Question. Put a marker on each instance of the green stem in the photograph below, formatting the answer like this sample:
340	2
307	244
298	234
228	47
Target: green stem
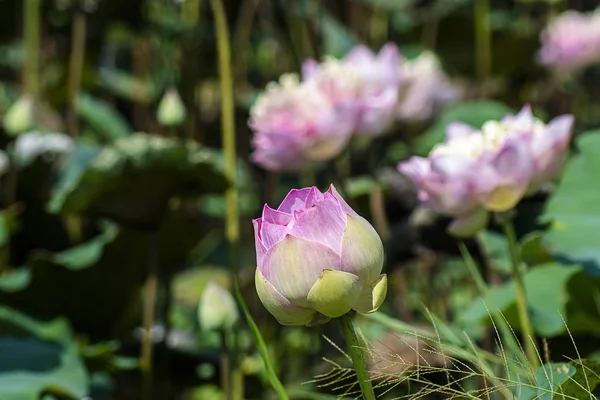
232	226
227	119
225	363
190	12
524	319
483	40
150	293
358	357
262	347
76	69
31	38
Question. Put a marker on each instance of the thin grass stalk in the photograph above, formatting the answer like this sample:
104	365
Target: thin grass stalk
378	27
76	61
190	11
495	315
76	69
524	318
483	41
262	347
190	16
31	39
150	294
241	39
377	207
358	358
298	31
232	227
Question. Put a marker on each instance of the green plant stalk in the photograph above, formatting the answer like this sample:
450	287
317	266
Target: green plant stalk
150	294
75	69
31	39
378	27
74	222
232	224
262	347
483	40
524	319
190	12
482	287
227	120
358	357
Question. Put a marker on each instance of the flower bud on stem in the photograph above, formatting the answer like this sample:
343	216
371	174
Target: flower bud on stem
357	356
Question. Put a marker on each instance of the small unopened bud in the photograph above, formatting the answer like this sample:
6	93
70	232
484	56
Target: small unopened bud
20	116
217	308
171	110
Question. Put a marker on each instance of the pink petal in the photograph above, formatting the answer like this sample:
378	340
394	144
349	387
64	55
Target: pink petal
360	54
389	54
275	217
555	137
414	168
261	250
323	223
314	196
342	203
515	161
458	129
549	148
309	68
271	234
295	200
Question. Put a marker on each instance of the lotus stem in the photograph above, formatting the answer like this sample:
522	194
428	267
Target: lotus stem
262	346
31	39
232	227
76	68
524	319
483	40
150	293
358	358
227	120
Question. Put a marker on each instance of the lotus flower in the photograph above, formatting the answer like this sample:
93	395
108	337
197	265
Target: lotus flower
363	85
317	259
489	170
571	41
427	89
296	125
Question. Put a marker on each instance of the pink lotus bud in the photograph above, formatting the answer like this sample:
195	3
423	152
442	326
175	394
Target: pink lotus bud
490	169
571	41
426	90
362	85
296	125
317	259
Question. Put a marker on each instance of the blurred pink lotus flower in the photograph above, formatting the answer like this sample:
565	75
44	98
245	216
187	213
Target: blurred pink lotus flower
474	172
296	125
427	89
364	85
571	41
317	259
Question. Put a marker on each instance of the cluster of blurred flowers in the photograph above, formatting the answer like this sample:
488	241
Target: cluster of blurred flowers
571	41
477	171
300	121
